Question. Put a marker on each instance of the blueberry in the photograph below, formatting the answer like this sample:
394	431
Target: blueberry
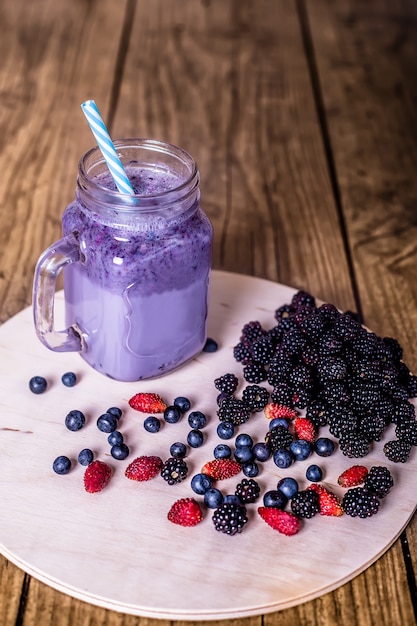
301	449
107	423
85	457
200	483
115	438
69	379
232	499
243	440
61	465
197	419
119	451
210	345
222	451
261	451
225	430
275	498
38	384
172	414
314	473
243	454
114	410
213	498
324	446
182	403
178	450
74	420
152	424
288	486
283	458
195	438
250	469
279	421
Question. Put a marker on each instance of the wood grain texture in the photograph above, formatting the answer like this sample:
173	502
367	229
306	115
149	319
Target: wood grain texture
51	55
366	61
229	82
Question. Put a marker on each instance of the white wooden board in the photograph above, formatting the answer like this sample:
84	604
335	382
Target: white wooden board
117	549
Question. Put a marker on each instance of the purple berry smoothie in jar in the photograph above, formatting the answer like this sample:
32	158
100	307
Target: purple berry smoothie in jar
138	293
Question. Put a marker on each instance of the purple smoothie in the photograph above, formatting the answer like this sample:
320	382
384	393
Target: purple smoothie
139	292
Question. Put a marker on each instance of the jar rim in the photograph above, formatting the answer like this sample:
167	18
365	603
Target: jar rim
93	158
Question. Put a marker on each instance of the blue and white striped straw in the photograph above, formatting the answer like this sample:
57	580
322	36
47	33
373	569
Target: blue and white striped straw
100	132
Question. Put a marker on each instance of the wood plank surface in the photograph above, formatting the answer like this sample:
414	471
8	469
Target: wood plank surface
302	118
366	61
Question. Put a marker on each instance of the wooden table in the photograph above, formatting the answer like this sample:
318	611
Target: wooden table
303	119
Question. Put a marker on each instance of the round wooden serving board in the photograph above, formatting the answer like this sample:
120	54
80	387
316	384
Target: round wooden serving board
116	548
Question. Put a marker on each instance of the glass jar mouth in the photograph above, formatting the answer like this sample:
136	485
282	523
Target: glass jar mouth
137	152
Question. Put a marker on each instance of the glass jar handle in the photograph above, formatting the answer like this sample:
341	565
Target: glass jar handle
48	267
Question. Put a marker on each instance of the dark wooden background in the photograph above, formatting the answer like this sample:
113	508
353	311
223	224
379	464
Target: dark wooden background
302	115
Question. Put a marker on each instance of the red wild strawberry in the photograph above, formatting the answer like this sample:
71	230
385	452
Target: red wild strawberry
96	476
353	476
148	403
219	469
185	512
144	468
329	503
273	410
304	429
282	521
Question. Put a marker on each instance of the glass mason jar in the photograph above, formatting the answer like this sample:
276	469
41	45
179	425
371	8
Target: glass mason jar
136	267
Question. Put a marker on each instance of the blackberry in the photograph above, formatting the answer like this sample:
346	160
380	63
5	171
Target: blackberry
313	326
255	397
293	342
379	481
301	378
229	518
407	431
393	349
365	396
309	354
301	313
335	392
233	410
254	373
283	311
278	438
403	411
227	383
247	490
342	422
346	327
411	386
251	332
329	312
334	368
242	352
317	413
353	446
359	502
330	344
279	369
372	426
305	503
174	470
303	298
263	350
397	451
365	343
282	394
